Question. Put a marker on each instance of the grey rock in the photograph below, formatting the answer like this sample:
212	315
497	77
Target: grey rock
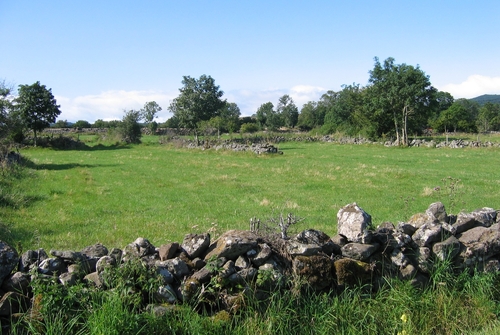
263	254
168	251
68	279
406	228
483	217
52	266
117	254
202	276
295	248
196	244
69	255
243	277
427	234
166	294
227	269
233	244
399	259
423	257
177	267
354	223
94	278
408	272
17	282
448	249
105	262
167	277
478	245
242	262
312	236
359	251
8	260
437	211
95	251
198	263
338	241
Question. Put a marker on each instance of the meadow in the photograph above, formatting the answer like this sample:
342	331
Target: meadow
68	199
109	193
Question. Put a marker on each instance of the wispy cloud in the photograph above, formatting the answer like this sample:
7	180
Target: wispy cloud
474	86
110	105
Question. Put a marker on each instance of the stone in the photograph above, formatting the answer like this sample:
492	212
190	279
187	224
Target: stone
117	254
478	245
17	282
483	217
196	244
69	256
141	247
242	262
351	272
8	260
448	249
168	251
312	236
296	248
198	263
233	244
359	251
105	262
427	234
166	294
263	254
437	211
95	251
202	276
354	224
227	269
177	267
406	228
317	270
13	302
52	266
338	241
167	277
408	272
399	259
243	277
423	259
68	279
94	278
419	219
31	258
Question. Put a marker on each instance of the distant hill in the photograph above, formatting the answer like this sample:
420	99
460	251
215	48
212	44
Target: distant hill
482	99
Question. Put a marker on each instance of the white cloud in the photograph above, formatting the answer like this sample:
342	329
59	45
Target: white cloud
474	86
110	105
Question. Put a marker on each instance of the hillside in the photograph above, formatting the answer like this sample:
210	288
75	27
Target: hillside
482	99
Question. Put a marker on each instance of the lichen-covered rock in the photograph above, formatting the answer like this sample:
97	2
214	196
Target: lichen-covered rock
312	236
427	234
478	245
105	262
68	279
141	247
8	260
437	211
168	251
233	244
196	244
422	256
296	248
95	251
483	217
448	249
351	272
177	267
354	224
264	251
359	251
420	219
316	270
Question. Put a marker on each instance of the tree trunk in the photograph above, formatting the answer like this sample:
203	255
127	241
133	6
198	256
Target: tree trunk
396	126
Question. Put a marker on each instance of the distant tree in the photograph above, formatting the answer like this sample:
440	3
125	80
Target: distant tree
36	107
230	117
263	112
5	108
61	124
288	111
489	117
345	110
199	100
149	113
130	129
308	117
461	116
82	124
249	128
172	122
404	92
99	123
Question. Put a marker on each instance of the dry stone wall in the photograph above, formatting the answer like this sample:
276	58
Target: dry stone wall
238	260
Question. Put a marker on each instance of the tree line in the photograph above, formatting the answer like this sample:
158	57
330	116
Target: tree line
399	101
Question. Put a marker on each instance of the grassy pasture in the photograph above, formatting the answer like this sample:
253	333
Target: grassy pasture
114	194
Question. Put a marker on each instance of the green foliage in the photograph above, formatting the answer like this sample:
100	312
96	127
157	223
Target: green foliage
149	113
249	128
82	124
199	100
61	124
36	107
130	129
288	111
460	116
488	118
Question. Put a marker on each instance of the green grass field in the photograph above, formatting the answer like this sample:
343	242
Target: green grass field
114	194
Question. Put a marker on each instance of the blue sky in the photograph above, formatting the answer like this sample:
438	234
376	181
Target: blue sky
101	57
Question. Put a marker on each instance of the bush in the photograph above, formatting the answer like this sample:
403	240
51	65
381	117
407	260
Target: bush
249	128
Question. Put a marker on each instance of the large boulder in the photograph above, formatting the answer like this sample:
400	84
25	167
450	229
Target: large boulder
354	224
437	211
8	260
316	270
195	244
478	245
351	272
483	217
428	234
359	251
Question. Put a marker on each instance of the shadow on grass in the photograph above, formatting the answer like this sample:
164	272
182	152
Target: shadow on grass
13	236
59	167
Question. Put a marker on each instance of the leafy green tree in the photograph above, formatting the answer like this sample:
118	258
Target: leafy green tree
461	116
99	123
288	111
343	110
263	113
307	118
61	124
36	107
172	122
230	115
82	124
149	113
404	92
5	108
199	100
489	117
130	129
250	127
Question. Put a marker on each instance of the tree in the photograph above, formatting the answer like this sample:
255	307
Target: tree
36	107
199	100
61	124
288	111
461	116
148	113
5	108
308	116
344	109
263	113
82	124
230	115
489	117
404	92
130	129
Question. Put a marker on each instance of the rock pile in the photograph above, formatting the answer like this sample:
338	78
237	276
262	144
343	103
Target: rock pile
240	261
